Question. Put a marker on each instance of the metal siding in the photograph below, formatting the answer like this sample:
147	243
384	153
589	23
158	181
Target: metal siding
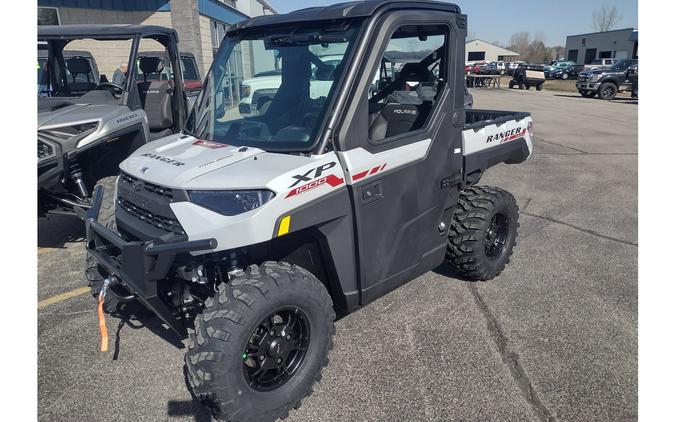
121	5
220	11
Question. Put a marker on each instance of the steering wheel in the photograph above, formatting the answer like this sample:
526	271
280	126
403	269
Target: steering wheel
115	90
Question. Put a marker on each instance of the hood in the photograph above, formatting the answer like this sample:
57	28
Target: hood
64	111
261	79
176	160
53	108
185	162
598	72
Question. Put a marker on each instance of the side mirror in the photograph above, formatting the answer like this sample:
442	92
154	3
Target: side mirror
103	79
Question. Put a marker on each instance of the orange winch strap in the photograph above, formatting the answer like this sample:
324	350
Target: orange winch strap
101	324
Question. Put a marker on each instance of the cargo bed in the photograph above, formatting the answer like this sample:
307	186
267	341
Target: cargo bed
491	137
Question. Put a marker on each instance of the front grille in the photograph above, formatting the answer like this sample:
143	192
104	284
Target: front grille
162	223
149	203
44	150
147	186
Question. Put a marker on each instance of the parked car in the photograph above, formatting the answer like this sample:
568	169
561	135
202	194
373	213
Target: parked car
605	83
513	66
549	69
476	68
567	72
602	64
495	68
485	69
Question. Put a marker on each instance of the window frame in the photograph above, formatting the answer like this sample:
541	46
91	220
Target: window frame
424	131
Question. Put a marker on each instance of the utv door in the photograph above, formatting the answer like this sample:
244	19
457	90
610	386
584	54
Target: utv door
401	147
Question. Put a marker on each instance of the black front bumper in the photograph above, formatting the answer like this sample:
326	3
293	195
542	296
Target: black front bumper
138	265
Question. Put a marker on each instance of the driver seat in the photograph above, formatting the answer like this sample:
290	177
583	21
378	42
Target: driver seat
79	66
156	98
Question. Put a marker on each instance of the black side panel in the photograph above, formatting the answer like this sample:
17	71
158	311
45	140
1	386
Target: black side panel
513	152
330	221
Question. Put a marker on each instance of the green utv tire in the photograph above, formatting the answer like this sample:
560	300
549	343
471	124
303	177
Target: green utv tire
482	233
261	343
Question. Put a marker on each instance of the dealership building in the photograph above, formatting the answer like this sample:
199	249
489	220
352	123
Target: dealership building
200	24
479	50
617	44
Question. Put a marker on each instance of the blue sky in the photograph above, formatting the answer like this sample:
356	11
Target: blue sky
496	20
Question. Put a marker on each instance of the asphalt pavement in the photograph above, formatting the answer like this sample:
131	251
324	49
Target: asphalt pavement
552	338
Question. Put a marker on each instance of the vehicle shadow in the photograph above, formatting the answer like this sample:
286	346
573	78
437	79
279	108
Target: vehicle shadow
136	316
192	407
57	230
615	100
178	408
445	270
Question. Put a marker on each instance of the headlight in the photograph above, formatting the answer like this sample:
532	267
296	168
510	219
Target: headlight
595	77
231	202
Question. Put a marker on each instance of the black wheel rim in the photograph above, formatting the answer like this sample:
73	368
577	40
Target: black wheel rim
276	349
608	91
496	235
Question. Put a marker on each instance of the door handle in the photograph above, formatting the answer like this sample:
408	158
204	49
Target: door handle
371	192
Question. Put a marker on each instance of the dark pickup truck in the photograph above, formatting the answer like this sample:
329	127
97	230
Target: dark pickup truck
605	83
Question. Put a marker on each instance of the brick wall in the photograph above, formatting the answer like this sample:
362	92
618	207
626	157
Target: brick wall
207	49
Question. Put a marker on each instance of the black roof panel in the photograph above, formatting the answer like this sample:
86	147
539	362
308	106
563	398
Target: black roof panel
122	31
348	10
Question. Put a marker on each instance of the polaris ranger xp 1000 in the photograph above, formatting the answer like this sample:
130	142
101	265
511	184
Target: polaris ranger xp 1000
245	234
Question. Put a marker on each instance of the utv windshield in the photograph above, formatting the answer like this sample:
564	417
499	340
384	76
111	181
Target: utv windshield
271	88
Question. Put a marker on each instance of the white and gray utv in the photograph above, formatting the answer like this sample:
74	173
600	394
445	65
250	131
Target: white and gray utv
89	122
247	234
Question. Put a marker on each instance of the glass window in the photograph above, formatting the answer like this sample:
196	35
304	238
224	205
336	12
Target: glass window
409	80
48	16
189	68
271	90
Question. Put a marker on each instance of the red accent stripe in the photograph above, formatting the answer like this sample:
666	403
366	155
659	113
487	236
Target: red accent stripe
360	175
375	170
382	167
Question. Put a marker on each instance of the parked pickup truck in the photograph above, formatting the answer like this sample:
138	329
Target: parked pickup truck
605	83
247	234
259	90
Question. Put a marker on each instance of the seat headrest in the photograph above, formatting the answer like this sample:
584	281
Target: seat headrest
78	65
415	72
150	64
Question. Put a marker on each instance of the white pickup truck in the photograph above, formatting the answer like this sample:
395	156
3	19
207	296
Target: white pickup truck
259	90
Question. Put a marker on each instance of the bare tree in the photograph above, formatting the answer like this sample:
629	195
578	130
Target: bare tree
520	42
471	36
537	53
606	18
